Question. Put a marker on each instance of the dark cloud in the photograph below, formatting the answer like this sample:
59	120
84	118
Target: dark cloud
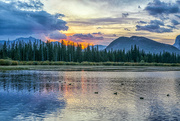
98	33
156	22
172	27
157	7
114	35
174	22
57	35
15	21
86	37
124	15
178	1
154	26
177	16
127	29
142	22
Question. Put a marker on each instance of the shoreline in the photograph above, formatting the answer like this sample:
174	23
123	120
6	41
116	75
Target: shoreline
90	68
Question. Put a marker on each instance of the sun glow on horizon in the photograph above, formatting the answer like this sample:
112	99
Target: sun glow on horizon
70	42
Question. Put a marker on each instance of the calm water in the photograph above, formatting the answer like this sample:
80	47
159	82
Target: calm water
70	96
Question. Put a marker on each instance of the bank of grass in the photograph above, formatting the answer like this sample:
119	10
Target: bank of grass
8	62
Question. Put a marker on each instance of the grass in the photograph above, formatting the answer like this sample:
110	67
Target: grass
7	64
91	68
95	63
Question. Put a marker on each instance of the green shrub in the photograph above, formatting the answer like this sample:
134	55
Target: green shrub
14	62
108	63
72	63
85	63
5	62
29	63
142	61
45	63
34	63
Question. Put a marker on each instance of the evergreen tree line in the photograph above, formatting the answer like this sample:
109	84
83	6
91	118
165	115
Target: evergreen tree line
74	53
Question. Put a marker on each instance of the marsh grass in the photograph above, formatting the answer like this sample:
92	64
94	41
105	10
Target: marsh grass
8	62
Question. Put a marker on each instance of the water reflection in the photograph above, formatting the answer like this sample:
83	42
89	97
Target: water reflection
66	96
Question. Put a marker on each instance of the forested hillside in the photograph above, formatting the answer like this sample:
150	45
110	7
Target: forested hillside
74	53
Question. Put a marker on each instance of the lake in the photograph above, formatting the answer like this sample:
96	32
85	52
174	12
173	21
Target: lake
89	96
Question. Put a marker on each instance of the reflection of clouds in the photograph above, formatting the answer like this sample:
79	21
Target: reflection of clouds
159	112
25	106
70	95
26	94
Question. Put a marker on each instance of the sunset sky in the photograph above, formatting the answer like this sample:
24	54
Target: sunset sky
90	21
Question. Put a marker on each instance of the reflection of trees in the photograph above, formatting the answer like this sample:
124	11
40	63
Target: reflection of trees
28	95
45	92
44	82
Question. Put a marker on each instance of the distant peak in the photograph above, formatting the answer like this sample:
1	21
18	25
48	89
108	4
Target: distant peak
178	37
23	38
136	37
31	37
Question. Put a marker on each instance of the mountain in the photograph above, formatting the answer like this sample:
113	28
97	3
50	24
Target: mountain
100	47
22	40
1	43
177	42
143	43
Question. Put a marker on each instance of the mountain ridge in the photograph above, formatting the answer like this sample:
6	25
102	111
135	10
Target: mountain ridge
148	45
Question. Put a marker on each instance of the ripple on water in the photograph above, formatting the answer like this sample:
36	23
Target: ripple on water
66	96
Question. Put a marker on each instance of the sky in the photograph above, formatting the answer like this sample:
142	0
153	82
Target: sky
90	21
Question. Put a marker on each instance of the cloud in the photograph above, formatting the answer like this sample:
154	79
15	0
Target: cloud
114	35
174	22
178	1
124	15
172	27
99	27
127	29
157	22
86	37
15	21
177	16
103	21
142	22
166	11
57	35
98	33
74	39
157	8
154	26
31	5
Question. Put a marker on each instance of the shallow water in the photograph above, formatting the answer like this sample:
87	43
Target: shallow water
72	96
